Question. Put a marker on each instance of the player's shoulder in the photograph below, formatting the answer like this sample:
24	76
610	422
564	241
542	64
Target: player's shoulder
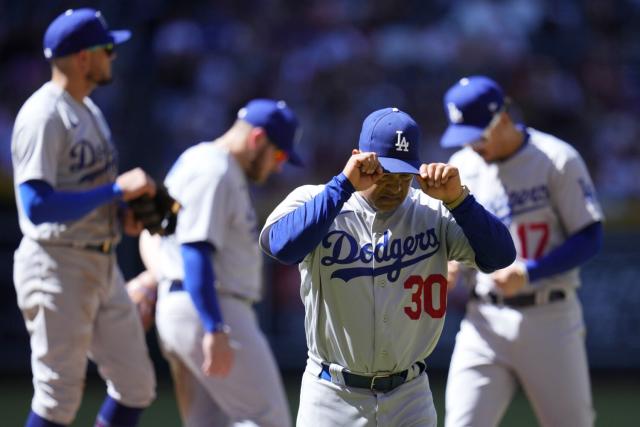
201	149
297	197
469	164
206	158
559	152
42	105
300	195
465	157
305	192
201	164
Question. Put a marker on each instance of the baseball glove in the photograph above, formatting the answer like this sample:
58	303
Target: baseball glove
158	214
143	291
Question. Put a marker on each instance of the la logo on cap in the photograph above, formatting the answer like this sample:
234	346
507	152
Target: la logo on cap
401	143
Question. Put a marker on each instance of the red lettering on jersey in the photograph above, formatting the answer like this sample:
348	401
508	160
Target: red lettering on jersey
422	296
526	232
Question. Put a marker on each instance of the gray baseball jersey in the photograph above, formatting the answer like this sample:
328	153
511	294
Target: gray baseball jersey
67	144
216	208
375	289
543	194
73	299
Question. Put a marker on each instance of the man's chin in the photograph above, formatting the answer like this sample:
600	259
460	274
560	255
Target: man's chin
104	82
387	204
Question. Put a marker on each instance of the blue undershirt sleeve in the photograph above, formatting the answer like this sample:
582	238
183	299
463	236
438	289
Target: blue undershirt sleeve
296	234
489	238
42	203
199	279
573	252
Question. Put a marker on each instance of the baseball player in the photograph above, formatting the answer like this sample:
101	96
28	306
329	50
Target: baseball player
67	280
372	253
210	274
523	323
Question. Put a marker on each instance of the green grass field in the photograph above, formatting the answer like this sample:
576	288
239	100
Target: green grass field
616	399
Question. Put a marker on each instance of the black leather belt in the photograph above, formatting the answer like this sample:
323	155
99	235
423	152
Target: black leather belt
105	247
382	383
520	301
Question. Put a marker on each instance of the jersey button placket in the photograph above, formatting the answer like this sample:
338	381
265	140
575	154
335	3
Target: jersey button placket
379	282
378	238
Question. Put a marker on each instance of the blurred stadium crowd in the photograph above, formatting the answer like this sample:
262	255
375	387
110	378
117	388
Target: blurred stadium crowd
572	68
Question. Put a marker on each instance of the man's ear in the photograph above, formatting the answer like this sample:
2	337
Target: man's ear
257	138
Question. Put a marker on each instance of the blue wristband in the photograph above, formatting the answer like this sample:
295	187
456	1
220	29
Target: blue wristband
117	191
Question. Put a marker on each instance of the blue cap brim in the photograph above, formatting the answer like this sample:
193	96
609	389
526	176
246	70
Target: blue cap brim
120	36
457	135
392	165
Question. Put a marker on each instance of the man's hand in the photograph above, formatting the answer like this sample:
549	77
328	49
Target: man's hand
135	183
218	354
511	279
440	181
363	169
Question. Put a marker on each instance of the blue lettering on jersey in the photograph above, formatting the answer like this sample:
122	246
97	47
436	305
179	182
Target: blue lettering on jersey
82	154
519	202
588	191
86	156
499	206
344	249
528	199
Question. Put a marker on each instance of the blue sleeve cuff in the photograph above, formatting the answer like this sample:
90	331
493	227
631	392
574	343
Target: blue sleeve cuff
117	191
344	184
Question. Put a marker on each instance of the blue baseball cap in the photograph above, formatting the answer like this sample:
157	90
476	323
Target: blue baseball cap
78	29
279	122
395	137
470	105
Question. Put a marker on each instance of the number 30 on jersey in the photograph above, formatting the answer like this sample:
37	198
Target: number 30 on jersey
429	296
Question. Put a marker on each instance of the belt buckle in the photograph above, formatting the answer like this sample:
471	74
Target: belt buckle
106	246
372	387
